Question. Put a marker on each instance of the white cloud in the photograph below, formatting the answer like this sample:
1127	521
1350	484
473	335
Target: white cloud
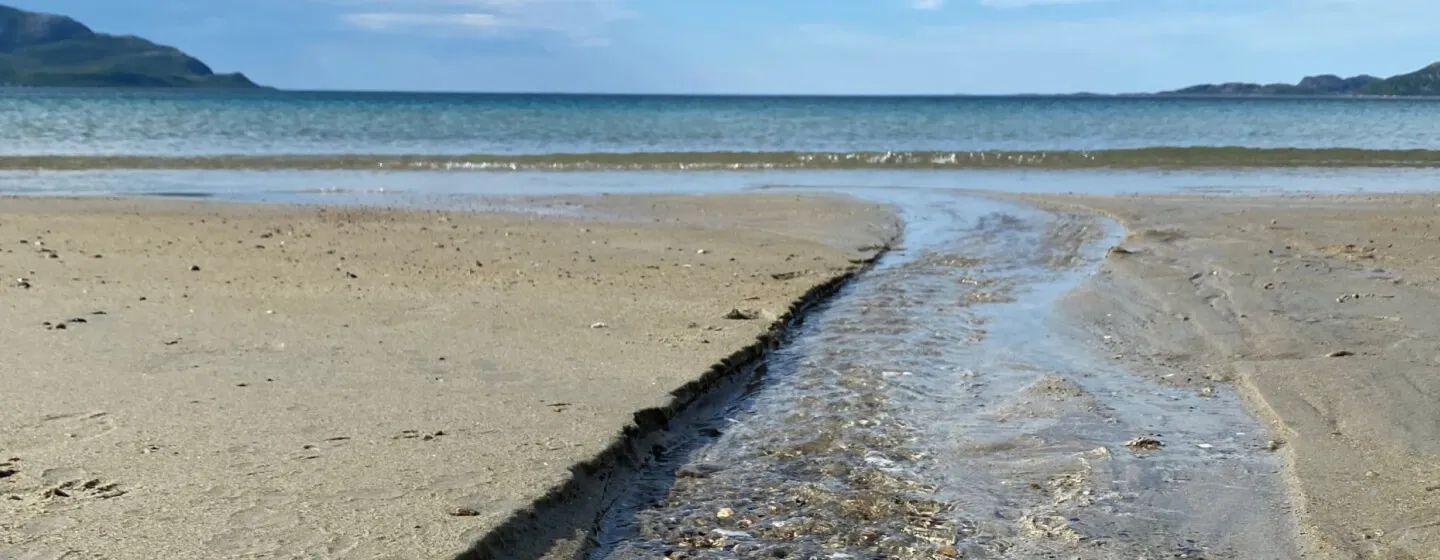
927	4
581	21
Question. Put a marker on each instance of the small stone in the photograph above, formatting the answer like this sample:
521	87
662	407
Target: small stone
463	512
195	268
948	551
725	513
741	315
702	252
1144	443
599	326
1339	354
1274	445
703	470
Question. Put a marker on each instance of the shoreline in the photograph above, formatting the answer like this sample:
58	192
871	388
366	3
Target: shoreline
255	364
1237	290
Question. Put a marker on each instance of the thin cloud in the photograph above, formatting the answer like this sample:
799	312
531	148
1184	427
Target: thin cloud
389	21
1136	51
927	4
583	22
1007	4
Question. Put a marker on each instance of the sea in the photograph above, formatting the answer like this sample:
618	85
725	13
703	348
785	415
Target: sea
277	145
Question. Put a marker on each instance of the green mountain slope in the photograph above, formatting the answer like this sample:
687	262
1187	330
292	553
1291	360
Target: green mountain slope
49	50
1423	82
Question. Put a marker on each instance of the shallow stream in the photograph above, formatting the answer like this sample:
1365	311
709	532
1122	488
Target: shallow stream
940	408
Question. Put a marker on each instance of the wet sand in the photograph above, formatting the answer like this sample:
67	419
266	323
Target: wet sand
1325	311
212	380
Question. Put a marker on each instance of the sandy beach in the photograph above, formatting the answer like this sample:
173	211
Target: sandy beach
1324	310
214	380
221	380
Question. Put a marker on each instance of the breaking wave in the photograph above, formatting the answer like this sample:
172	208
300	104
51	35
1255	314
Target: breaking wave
1158	158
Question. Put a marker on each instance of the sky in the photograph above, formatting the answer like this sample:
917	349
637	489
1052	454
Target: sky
863	47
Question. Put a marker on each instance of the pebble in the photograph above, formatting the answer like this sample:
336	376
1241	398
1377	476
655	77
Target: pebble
1339	354
740	315
195	268
1144	443
463	512
599	326
725	513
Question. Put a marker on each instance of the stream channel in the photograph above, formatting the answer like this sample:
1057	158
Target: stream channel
941	407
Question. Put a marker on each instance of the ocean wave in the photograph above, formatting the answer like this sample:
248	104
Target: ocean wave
1158	158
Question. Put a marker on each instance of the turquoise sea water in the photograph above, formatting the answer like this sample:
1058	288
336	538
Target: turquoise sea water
165	123
98	141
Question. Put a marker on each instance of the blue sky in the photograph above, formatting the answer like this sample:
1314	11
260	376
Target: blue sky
778	46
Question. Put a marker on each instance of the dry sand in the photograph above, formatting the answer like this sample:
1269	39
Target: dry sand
1326	311
270	381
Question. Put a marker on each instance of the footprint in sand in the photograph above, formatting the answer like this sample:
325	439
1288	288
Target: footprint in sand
37	554
59	429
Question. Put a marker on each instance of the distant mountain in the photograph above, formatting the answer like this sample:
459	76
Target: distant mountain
1423	82
47	50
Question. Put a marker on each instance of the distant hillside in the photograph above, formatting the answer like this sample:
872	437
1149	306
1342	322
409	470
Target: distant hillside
1423	82
47	50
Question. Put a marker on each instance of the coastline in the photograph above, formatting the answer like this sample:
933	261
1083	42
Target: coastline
343	381
1317	308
